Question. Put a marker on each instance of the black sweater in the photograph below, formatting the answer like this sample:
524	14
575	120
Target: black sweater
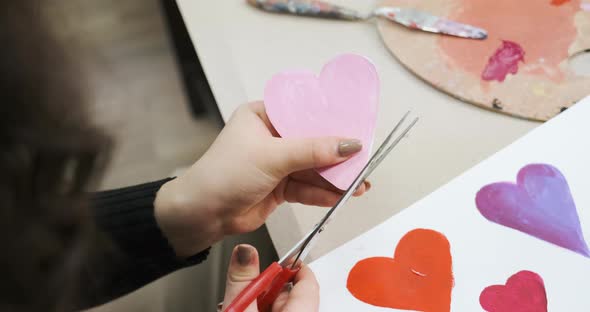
141	253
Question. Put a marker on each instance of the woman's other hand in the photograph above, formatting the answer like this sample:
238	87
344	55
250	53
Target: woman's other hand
244	267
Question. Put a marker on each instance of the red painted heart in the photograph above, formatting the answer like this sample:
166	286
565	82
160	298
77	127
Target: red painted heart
419	277
523	292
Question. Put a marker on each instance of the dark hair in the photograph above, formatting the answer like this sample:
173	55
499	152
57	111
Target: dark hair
49	154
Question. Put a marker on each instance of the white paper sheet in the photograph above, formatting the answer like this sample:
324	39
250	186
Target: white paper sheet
485	253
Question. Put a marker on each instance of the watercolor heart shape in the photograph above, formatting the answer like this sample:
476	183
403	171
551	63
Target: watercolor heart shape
539	204
523	292
418	277
341	102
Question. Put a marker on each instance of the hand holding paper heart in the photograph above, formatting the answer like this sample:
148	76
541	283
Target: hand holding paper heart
243	177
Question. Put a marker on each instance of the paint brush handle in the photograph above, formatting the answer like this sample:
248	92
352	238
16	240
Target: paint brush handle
307	8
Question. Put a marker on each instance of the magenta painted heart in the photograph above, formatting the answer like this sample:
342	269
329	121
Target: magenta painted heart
341	102
523	292
539	204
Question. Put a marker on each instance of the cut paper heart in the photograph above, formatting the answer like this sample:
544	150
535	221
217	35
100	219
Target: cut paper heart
539	204
419	276
523	292
341	102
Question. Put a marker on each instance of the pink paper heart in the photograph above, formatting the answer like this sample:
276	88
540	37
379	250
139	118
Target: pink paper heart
341	102
523	292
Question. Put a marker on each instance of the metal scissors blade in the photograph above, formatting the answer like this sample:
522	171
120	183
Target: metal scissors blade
302	248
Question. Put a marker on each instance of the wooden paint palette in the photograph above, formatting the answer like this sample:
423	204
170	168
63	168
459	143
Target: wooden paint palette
522	69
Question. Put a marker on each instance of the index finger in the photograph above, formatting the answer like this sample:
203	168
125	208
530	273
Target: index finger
259	109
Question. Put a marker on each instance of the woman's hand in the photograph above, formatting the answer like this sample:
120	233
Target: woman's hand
244	267
246	173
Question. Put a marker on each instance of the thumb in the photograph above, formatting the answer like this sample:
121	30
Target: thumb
300	154
243	268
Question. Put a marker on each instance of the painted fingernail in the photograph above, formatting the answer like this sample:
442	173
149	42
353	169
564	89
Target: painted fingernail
349	147
244	254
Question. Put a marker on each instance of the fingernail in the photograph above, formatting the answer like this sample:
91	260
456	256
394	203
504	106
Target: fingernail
349	147
244	254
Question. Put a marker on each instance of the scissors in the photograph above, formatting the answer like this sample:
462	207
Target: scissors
268	285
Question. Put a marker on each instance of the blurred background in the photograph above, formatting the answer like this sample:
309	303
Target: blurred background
148	91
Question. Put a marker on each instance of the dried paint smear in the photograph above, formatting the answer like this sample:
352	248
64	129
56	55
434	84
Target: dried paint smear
503	62
543	30
419	276
523	292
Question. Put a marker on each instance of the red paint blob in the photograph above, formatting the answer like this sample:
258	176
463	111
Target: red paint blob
523	292
419	277
559	2
503	62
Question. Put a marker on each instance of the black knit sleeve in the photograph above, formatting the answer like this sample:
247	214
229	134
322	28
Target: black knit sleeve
140	253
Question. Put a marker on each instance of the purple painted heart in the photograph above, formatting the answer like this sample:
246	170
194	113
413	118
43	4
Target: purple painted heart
539	204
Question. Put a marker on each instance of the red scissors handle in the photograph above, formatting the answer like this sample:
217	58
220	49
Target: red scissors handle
266	288
266	300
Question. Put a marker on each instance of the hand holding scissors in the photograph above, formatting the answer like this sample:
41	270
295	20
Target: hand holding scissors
302	294
270	283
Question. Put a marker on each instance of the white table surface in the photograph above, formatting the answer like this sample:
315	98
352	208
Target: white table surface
240	48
